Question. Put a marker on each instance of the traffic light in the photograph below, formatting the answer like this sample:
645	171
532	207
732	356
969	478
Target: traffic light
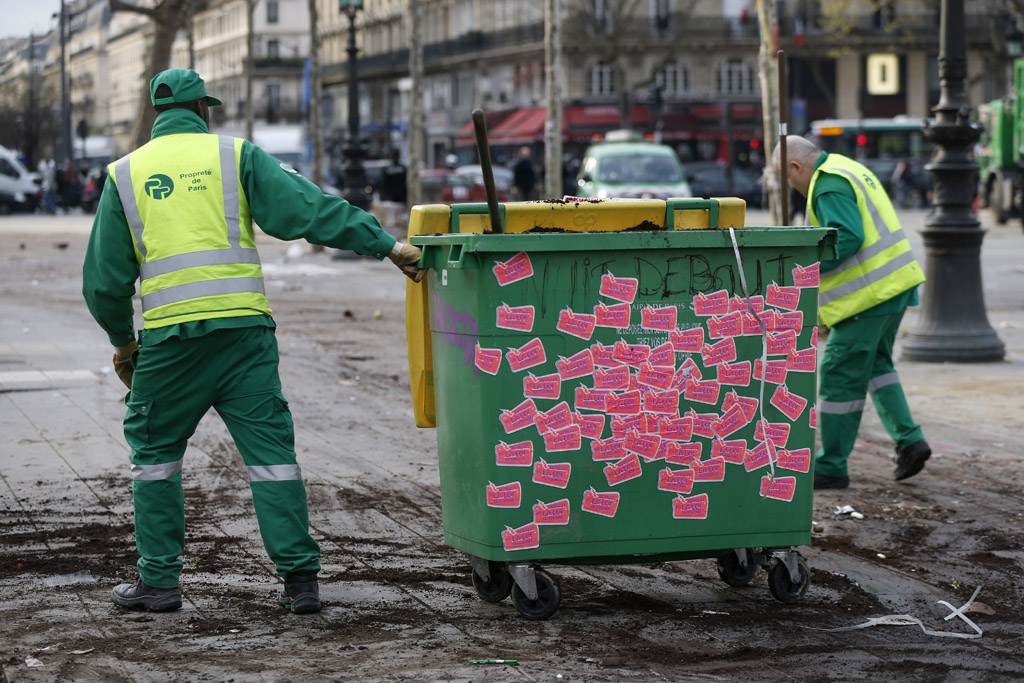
82	129
656	97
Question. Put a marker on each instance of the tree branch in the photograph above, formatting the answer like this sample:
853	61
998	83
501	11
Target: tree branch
119	6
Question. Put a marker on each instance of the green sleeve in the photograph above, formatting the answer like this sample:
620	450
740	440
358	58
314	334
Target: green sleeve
111	269
835	205
287	206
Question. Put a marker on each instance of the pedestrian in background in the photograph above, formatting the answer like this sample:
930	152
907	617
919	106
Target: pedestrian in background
524	176
177	214
48	172
393	187
864	294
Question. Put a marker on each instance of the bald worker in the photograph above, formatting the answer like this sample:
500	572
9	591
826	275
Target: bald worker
864	294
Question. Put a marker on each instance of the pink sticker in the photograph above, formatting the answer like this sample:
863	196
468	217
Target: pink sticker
726	326
687	341
578	365
737	374
608	449
749	404
623	470
676	429
798	460
663	403
545	386
623	404
558	417
752	323
631	354
515	269
759	456
487	360
813	421
590	399
809	276
686	372
504	496
624	424
616	379
781	343
789	403
530	354
656	377
663	356
644	445
814	337
566	439
551	513
554	474
793	320
719	352
663	318
519	417
519	318
716	303
600	502
704	423
576	324
694	507
619	288
685	454
738	303
787	298
805	360
591	426
776	432
514	454
677	481
703	392
776	371
732	452
523	538
616	315
667	449
779	488
709	470
732	421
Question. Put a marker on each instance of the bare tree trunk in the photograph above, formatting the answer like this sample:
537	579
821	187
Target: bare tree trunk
316	132
553	95
414	23
250	11
769	98
190	33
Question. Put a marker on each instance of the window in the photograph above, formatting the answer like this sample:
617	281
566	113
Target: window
273	49
271	11
674	79
602	79
735	77
273	96
7	169
661	13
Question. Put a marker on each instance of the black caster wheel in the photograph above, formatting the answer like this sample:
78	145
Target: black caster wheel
548	598
735	574
497	587
782	586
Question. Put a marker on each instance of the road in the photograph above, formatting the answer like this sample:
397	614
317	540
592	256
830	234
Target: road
399	605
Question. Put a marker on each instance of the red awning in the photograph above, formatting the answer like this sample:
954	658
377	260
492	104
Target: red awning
493	119
524	126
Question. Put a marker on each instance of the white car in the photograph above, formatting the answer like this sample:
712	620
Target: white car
19	187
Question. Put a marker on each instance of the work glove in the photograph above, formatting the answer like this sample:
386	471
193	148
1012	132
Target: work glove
123	362
407	258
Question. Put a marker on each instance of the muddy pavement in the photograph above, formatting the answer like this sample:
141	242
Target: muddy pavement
398	604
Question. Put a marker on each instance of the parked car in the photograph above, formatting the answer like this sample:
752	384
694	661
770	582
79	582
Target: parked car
444	186
711	179
502	178
631	168
19	187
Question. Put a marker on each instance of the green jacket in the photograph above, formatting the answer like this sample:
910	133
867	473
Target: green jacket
284	205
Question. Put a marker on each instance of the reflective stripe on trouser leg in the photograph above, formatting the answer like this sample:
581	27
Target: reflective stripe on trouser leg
887	392
264	433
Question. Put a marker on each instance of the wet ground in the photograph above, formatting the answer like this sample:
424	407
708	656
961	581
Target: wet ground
398	604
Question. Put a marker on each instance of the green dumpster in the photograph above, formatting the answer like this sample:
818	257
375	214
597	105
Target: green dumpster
618	388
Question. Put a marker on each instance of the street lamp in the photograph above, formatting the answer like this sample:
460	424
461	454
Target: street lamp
353	171
953	325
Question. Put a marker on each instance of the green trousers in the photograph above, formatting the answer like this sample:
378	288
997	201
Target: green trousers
858	358
176	382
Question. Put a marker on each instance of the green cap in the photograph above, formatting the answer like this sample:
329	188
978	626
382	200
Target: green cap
185	85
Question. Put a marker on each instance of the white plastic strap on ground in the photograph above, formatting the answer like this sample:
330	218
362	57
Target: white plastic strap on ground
764	340
907	620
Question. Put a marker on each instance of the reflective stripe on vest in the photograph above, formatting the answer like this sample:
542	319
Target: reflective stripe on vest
274	473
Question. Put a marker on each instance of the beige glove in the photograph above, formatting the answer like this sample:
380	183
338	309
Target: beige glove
123	362
407	258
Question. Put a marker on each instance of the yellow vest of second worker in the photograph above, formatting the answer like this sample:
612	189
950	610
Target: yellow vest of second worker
192	230
883	267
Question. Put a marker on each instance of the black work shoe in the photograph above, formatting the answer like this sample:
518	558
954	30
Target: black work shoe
301	592
910	459
823	481
140	596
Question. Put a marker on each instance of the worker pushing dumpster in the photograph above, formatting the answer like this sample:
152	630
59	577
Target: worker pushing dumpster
617	381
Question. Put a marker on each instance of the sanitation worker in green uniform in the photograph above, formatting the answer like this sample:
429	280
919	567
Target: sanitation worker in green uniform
176	215
862	298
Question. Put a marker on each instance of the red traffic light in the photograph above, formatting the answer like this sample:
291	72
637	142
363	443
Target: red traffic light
755	143
862	140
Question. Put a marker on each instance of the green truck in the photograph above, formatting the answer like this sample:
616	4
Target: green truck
1001	174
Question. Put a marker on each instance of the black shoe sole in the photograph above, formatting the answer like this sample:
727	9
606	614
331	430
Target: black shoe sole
832	483
164	603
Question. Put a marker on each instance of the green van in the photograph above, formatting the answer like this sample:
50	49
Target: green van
625	165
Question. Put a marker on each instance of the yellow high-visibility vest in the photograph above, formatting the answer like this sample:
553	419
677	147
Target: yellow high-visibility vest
883	267
192	230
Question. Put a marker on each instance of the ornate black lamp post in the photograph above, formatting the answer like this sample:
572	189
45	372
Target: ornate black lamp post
355	148
953	325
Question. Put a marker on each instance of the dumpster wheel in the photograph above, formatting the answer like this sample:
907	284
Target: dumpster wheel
496	587
737	567
546	602
781	578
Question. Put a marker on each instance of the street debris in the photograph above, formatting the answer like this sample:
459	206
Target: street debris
908	620
848	510
84	576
